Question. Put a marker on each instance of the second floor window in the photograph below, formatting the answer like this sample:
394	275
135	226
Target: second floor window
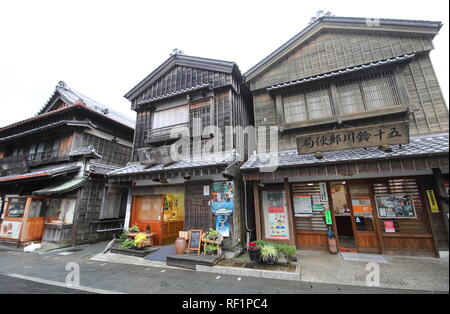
173	116
308	104
371	92
366	93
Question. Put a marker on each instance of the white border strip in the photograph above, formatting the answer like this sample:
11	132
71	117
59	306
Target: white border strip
60	284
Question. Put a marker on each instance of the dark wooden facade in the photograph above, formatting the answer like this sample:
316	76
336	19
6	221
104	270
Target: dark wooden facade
326	78
80	135
211	91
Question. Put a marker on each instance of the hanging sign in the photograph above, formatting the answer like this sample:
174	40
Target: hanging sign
433	202
323	192
328	219
376	135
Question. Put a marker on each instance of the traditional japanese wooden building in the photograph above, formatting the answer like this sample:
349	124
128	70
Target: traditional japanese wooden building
362	130
53	171
194	101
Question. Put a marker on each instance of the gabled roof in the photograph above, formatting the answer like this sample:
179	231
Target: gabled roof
70	96
429	28
183	60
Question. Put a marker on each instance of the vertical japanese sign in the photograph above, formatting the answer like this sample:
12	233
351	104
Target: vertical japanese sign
433	202
377	135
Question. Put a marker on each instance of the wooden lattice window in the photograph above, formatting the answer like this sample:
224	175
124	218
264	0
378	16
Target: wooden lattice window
308	104
371	92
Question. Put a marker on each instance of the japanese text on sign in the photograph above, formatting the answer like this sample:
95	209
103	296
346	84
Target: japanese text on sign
383	134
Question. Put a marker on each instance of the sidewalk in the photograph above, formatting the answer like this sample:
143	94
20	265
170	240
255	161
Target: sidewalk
396	272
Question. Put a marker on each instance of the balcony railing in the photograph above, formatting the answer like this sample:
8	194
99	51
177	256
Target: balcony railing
162	134
45	155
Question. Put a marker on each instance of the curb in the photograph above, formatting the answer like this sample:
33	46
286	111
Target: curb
267	274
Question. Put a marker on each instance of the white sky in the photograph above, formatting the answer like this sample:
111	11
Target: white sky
104	48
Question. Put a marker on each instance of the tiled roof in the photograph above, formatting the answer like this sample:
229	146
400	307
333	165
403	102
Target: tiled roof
135	168
85	151
419	145
342	72
179	92
101	168
48	171
44	128
71	96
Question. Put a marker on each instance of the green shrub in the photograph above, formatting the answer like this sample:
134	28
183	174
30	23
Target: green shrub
269	252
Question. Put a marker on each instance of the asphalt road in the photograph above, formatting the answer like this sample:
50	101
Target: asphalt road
46	273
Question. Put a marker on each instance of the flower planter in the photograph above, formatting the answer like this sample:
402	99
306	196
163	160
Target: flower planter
254	255
271	261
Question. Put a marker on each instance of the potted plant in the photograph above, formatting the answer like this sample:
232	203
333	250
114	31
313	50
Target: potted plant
253	251
210	249
288	251
212	234
269	254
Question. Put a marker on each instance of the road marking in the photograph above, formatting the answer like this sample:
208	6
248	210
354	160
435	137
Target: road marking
56	258
45	257
163	271
103	264
65	253
60	284
239	278
218	277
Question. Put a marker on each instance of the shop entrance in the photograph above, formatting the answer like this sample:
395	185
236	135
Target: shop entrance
162	214
343	217
354	216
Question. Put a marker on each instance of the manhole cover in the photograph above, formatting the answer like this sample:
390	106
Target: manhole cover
364	264
383	280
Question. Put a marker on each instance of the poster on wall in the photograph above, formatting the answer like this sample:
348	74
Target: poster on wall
10	229
303	205
223	225
275	215
278	223
389	226
395	206
222	194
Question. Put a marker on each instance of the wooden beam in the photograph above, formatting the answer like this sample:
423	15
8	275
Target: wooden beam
288	195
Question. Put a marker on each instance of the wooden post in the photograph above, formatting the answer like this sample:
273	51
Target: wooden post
287	191
257	210
422	189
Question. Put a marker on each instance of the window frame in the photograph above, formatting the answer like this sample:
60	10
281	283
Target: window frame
336	107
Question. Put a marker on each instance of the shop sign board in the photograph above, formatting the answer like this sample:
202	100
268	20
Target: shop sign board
360	137
433	202
195	240
155	155
328	219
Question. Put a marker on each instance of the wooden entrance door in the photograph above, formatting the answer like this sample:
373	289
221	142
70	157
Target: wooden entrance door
147	213
363	216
